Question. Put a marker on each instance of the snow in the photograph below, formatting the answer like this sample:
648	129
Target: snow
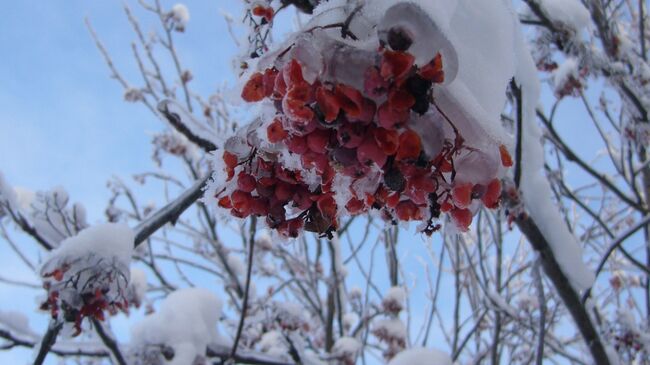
108	240
501	303
394	299
91	266
421	356
6	192
263	240
390	329
48	212
186	322
273	343
565	73
535	188
16	323
346	346
290	314
236	264
180	15
571	13
137	286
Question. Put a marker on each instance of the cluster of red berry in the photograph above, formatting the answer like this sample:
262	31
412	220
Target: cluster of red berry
91	302
337	129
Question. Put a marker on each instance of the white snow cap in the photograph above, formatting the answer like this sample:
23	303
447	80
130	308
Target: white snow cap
346	346
394	299
567	71
137	286
110	240
421	356
535	188
180	15
186	322
570	13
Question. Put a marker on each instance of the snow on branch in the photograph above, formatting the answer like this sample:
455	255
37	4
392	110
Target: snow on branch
169	213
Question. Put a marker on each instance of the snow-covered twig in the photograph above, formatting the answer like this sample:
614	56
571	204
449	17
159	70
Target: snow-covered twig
570	298
169	213
48	341
109	342
175	120
619	240
249	270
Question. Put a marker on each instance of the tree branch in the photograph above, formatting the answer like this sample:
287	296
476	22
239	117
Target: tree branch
48	341
251	246
109	342
169	213
175	120
570	298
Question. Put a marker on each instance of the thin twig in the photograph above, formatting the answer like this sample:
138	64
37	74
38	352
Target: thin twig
249	270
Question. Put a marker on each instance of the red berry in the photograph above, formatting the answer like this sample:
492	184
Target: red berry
230	159
410	146
506	159
276	132
283	191
327	206
400	99
350	99
231	162
294	103
328	104
254	89
315	160
279	88
260	206
270	75
266	190
446	207
392	200
356	171
297	144
433	71
462	218
241	202
389	117
368	152
245	182
224	202
302	198
288	176
292	73
318	140
291	228
374	85
350	135
419	188
265	12
396	65
407	210
492	195
462	195
355	206
387	140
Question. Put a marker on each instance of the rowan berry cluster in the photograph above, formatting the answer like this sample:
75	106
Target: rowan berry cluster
74	294
337	129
